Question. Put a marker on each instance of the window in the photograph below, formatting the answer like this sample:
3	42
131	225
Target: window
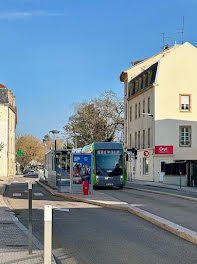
148	137
130	113
146	84
145	165
130	140
139	139
143	106
135	111
148	105
139	109
135	139
185	136
143	139
142	83
185	103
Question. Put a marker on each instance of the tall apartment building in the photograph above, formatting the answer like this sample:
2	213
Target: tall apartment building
8	120
160	111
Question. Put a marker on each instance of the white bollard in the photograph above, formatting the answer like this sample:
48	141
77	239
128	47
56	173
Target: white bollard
47	234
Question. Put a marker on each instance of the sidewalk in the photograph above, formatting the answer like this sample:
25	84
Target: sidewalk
13	238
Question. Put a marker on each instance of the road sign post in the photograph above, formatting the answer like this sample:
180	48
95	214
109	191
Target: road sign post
30	218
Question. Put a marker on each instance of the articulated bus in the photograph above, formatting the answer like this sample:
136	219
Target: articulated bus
108	163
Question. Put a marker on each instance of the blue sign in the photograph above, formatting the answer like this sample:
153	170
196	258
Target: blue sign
82	168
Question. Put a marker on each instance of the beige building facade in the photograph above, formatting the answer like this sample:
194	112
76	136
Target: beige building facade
160	112
8	120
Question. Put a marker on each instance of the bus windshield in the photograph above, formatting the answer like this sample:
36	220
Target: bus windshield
109	162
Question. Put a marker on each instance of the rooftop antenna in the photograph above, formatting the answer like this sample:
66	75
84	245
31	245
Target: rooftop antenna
163	41
182	31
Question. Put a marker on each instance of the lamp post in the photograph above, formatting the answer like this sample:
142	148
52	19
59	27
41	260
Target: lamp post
54	132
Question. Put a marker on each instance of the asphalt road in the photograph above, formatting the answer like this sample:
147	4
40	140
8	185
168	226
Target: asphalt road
90	234
179	211
165	189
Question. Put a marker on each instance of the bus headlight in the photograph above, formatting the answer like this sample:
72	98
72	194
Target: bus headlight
97	178
121	177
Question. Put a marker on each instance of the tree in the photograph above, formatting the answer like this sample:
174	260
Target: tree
98	120
111	109
32	148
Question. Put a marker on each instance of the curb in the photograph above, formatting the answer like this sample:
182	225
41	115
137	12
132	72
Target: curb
163	193
177	230
16	221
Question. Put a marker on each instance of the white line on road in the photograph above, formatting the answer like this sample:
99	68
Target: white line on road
16	194
136	205
58	209
61	209
38	194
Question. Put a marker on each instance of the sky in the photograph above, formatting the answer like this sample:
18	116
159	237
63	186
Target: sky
55	53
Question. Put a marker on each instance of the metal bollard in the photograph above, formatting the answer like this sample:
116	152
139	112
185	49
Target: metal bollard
47	233
30	217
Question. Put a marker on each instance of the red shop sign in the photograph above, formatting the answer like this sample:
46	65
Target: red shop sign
163	149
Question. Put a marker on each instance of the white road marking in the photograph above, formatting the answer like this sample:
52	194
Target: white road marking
16	194
61	209
57	208
38	194
136	205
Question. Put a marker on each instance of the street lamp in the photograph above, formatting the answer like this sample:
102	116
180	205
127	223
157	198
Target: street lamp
55	132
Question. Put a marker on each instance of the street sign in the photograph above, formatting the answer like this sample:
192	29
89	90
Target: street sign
20	153
146	153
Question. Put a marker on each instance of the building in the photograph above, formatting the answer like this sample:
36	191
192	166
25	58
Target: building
161	113
8	120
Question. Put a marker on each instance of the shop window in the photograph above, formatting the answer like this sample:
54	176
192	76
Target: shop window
145	166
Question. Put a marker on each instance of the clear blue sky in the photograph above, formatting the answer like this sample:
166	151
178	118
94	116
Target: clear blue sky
57	52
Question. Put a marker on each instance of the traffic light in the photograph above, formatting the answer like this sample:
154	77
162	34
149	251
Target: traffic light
134	152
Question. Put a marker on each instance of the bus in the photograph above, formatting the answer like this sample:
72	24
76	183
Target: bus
108	163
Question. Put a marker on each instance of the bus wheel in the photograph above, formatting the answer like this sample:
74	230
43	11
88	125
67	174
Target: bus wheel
120	187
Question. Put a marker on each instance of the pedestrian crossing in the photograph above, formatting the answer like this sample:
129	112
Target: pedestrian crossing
20	194
16	194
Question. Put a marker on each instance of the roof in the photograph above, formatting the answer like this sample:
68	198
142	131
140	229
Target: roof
2	86
137	63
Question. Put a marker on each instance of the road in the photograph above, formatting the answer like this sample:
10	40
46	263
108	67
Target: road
179	211
90	234
177	190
